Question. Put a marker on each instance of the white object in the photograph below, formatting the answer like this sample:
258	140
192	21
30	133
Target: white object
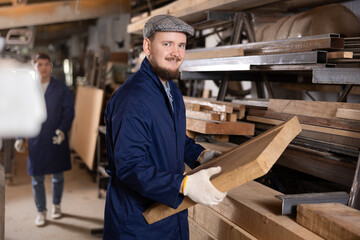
19	145
22	104
40	219
56	211
59	137
199	188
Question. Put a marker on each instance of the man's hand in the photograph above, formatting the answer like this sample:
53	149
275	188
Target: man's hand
19	145
207	155
59	137
199	188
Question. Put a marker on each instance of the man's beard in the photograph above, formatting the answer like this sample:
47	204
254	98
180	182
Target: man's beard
165	74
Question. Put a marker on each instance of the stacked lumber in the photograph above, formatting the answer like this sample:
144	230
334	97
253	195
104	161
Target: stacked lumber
335	123
215	117
250	211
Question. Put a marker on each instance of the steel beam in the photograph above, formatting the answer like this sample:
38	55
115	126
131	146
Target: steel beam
336	75
290	201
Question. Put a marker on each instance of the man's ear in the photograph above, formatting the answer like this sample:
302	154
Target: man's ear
146	46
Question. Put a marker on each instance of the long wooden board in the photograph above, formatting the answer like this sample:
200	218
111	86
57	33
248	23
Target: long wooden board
84	131
244	163
340	123
331	221
227	128
309	108
308	127
254	208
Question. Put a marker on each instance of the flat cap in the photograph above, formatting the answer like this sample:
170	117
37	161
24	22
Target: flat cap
166	23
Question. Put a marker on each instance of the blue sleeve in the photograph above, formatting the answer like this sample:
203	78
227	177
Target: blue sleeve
192	152
68	112
131	136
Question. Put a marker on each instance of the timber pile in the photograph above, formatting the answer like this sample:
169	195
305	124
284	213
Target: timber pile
329	144
215	117
335	123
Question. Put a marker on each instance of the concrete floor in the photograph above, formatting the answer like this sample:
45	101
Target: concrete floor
81	207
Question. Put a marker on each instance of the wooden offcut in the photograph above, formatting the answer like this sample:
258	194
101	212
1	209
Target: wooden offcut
213	53
84	131
244	163
227	128
331	221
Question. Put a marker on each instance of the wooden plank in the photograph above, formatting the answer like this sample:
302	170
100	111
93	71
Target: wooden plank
196	232
348	114
216	106
203	115
195	10
325	122
219	226
58	12
309	108
224	128
339	141
217	53
84	131
308	127
336	55
244	163
254	208
330	220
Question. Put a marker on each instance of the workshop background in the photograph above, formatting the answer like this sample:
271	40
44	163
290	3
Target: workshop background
252	65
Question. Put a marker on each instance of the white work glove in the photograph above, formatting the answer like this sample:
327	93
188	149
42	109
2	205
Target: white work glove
207	155
59	137
19	145
199	188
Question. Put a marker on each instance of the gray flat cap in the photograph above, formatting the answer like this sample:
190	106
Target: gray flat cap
166	23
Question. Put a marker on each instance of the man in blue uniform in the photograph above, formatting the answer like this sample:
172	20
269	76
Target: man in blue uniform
49	152
147	144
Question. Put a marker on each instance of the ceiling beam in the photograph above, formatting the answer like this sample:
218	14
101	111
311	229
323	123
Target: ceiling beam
59	12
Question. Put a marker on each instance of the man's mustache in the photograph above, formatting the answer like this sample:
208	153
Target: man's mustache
178	59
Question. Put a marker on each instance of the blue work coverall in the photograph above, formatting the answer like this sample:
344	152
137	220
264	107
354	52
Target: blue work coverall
44	156
146	148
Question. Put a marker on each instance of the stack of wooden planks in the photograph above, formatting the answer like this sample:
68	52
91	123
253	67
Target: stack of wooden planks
216	118
335	123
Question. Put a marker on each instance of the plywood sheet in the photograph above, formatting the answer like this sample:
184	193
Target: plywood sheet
330	220
244	163
88	104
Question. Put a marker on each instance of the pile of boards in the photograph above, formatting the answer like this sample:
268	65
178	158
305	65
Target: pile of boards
216	118
329	144
252	211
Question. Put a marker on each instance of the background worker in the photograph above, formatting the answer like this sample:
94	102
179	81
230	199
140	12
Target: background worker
147	144
49	152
